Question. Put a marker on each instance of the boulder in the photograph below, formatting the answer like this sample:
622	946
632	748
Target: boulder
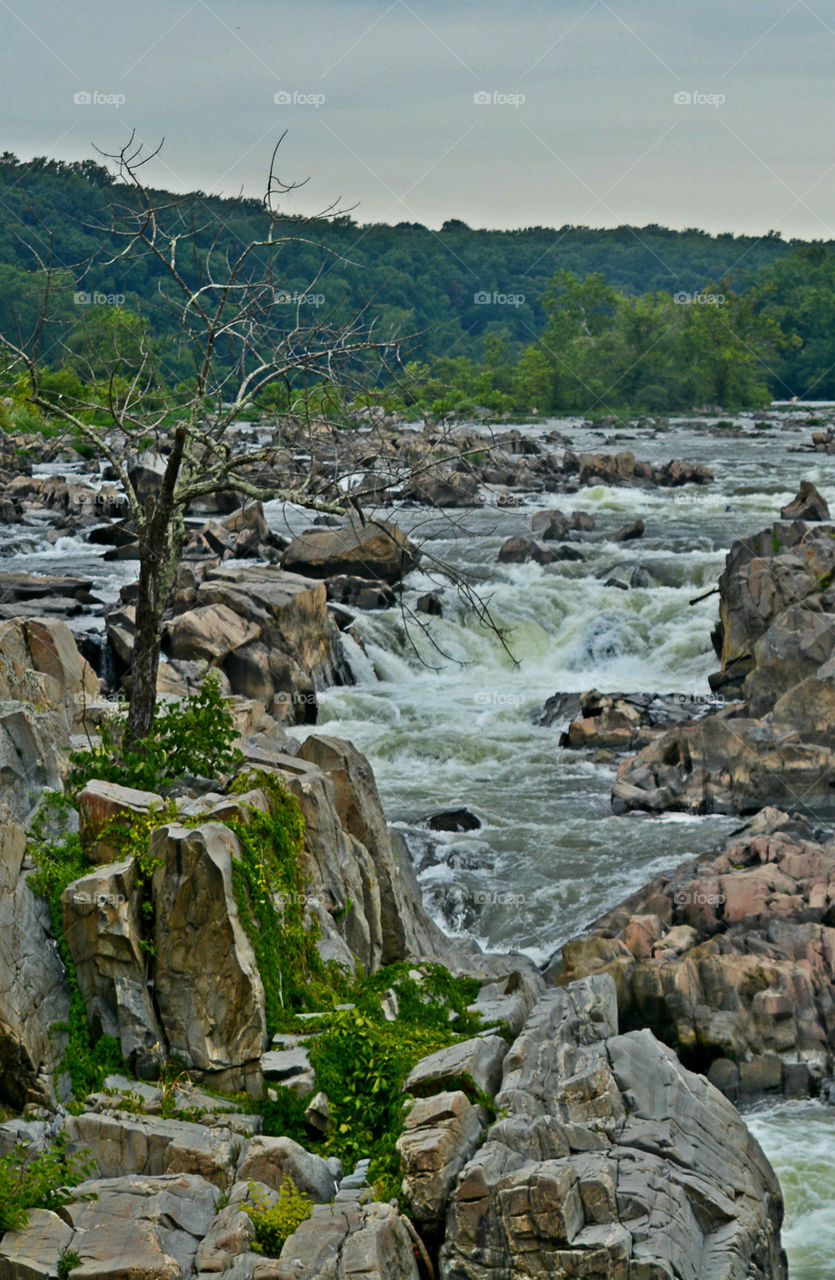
798	641
371	1241
550	526
440	487
440	1135
104	928
471	1065
33	1252
149	1146
521	550
210	632
207	986
376	550
105	804
34	995
807	505
610	1159
629	531
271	1160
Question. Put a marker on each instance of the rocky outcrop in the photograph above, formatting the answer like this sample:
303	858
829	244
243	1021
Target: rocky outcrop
577	1178
45	686
349	1240
730	959
623	721
624	469
33	992
376	550
807	505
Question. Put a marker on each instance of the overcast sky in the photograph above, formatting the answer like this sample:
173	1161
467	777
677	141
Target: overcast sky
501	114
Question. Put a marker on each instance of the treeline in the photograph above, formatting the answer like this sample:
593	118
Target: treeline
535	319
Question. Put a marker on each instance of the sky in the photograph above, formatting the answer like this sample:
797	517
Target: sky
597	113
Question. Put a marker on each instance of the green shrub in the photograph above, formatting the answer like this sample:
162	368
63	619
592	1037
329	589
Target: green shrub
67	1262
44	1181
273	1226
196	736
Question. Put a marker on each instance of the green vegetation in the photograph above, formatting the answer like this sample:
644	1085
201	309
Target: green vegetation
67	1262
43	1181
196	736
274	1225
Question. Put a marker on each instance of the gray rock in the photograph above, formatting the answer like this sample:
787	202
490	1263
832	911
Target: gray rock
33	990
271	1160
151	1146
440	1135
478	1061
348	1242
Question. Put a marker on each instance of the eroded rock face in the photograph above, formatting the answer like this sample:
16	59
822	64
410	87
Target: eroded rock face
440	1135
208	990
576	1179
731	959
33	988
348	1241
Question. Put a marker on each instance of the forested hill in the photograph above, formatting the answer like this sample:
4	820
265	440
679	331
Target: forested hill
417	280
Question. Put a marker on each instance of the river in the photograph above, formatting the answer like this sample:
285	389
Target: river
449	718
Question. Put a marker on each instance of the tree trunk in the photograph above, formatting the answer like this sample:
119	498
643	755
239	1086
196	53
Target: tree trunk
161	540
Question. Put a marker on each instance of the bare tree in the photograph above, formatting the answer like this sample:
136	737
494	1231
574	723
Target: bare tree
240	343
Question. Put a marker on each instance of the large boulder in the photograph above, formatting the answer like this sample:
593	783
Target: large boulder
807	505
103	927
45	687
610	1159
375	550
148	1146
350	1241
798	641
34	996
207	986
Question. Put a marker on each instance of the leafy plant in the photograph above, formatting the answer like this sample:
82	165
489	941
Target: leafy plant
67	1262
195	736
275	1225
42	1181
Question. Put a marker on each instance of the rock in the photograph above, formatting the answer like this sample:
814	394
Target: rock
317	1114
440	1135
629	531
470	1064
629	576
25	587
582	520
229	1237
798	641
430	603
34	996
453	820
808	504
377	549
741	961
369	1241
103	927
208	989
361	593
210	632
549	526
145	473
578	1177
399	927
271	1160
439	487
621	721
33	1252
149	1146
521	550
146	1227
102	804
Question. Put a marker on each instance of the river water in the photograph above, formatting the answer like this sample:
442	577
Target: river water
449	718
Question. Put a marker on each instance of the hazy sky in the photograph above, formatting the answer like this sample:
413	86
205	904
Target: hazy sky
502	114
